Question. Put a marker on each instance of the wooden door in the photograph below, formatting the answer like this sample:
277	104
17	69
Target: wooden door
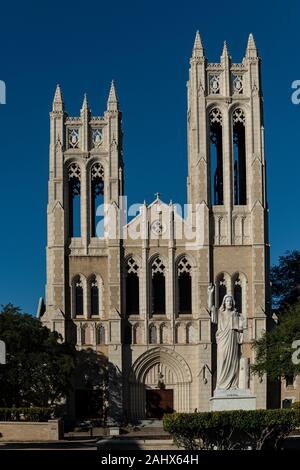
159	402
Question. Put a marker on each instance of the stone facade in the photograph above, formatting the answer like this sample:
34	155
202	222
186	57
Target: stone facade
290	391
172	346
18	431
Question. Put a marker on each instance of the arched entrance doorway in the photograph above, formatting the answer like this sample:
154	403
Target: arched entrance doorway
159	383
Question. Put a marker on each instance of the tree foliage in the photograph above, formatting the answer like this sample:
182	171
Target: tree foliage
285	279
39	365
274	350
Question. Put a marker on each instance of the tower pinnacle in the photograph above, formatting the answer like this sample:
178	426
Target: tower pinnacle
58	104
198	50
85	103
113	102
251	50
225	52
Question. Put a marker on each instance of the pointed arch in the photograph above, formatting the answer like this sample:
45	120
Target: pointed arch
180	333
223	287
78	296
184	284
132	286
216	155
161	355
239	291
74	198
95	294
152	334
147	369
239	156
137	337
163	333
96	198
158	285
86	334
100	334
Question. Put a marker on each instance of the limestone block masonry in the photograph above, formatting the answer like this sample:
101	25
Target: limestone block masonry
141	303
30	431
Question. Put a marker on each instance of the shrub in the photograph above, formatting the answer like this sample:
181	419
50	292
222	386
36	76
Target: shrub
25	414
255	429
295	405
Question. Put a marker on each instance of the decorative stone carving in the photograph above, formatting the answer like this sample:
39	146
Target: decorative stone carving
74	171
238	116
97	171
215	116
237	84
73	137
214	84
158	266
132	266
184	266
97	137
157	228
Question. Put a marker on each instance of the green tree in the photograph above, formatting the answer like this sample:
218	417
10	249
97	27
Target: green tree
274	350
39	365
285	279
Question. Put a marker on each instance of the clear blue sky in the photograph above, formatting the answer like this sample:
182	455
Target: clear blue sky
145	46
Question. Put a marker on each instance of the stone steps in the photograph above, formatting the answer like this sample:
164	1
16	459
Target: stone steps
150	423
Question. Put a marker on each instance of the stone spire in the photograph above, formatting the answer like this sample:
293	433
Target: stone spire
251	50
198	50
58	104
112	102
85	103
225	50
251	43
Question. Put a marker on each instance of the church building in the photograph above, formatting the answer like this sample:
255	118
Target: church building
136	293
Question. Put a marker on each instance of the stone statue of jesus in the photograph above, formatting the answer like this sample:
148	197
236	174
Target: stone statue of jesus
229	337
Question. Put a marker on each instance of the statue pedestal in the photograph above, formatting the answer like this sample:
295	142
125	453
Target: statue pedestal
233	399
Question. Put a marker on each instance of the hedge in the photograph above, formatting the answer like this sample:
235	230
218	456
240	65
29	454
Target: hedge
296	405
253	430
25	414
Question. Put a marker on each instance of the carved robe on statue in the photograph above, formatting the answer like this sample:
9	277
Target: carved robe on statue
229	337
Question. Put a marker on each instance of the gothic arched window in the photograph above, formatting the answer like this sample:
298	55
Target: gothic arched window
163	334
238	293
86	337
74	200
221	289
78	296
239	157
100	335
158	287
216	156
132	288
152	334
97	193
137	334
83	335
184	286
94	296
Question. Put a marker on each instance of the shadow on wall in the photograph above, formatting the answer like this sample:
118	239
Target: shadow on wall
97	388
